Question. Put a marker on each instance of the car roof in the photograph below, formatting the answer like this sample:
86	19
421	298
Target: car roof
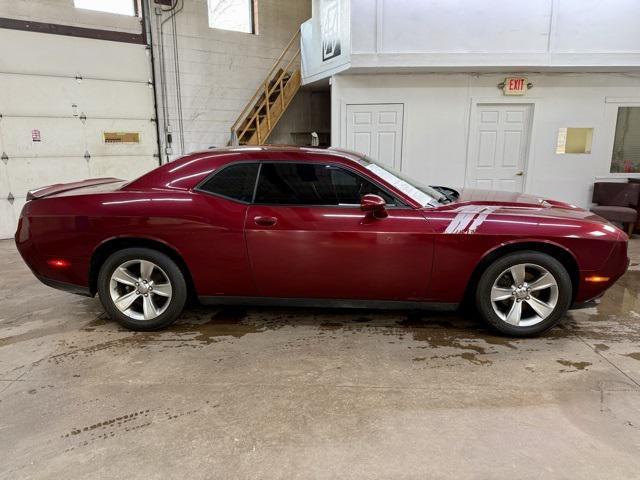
351	155
187	171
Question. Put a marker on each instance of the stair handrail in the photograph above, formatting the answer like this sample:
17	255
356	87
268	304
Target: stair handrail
264	86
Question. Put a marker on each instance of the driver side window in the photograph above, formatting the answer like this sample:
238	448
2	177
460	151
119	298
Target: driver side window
350	188
313	184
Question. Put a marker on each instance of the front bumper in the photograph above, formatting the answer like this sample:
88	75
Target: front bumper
613	268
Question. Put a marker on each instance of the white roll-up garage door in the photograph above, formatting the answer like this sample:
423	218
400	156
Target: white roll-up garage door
71	108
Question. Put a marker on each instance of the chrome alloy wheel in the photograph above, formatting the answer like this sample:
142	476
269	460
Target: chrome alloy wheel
140	289
524	294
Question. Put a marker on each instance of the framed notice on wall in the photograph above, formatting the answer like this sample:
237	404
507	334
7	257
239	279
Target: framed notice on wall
330	29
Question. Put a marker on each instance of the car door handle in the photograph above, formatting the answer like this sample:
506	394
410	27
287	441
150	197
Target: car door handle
265	221
519	174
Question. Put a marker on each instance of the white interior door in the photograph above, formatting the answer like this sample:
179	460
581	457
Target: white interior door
498	146
376	131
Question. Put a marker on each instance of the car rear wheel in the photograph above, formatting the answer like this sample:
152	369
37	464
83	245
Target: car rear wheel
524	293
141	288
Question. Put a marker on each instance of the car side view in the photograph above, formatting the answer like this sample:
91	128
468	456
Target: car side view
314	227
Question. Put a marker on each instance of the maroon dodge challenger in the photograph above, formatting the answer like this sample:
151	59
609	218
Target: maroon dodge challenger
314	227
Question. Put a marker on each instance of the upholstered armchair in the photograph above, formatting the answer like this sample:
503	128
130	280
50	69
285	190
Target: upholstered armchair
617	202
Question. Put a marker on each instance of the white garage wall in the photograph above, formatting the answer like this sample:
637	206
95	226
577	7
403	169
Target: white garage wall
42	76
463	26
437	109
220	70
472	33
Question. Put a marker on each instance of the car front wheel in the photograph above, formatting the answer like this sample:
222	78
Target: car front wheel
524	293
141	288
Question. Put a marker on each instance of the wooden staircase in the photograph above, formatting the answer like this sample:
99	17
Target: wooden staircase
261	114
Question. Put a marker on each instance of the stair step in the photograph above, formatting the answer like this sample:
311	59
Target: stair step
260	106
273	96
276	74
250	116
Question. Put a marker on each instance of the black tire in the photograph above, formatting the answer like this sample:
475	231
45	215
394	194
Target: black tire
497	269
173	306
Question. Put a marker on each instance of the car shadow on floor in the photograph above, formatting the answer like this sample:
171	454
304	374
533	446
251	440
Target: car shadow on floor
437	328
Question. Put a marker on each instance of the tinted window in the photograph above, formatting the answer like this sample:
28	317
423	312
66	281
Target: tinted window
234	181
350	188
312	184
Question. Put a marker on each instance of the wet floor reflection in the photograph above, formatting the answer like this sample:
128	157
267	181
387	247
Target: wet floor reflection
441	335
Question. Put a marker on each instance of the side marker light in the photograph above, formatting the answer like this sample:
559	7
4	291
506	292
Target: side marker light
59	263
596	279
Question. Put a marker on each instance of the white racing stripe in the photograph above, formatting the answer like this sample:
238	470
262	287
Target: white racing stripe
465	218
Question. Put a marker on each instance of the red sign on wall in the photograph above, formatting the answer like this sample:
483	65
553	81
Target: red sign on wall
515	86
35	135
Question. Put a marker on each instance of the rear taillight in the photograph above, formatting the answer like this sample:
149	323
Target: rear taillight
23	231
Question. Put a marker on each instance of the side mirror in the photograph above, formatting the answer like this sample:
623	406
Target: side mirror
374	204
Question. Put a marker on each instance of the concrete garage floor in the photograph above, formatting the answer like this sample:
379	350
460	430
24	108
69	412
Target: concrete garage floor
293	393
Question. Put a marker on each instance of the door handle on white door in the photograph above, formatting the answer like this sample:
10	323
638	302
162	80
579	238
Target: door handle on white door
519	174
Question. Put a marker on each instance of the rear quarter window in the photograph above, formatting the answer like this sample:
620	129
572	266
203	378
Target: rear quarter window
236	182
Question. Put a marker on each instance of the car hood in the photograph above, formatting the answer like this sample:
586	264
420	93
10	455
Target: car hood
520	204
497	197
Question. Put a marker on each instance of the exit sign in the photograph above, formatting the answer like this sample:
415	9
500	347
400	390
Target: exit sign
515	86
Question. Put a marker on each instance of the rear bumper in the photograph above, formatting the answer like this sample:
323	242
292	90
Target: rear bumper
71	279
64	286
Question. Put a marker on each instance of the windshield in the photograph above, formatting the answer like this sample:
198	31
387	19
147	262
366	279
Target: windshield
423	194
